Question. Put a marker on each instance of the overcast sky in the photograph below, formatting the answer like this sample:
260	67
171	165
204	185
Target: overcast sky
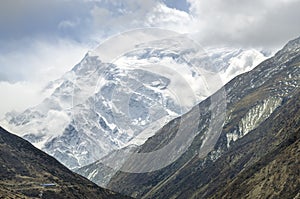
41	40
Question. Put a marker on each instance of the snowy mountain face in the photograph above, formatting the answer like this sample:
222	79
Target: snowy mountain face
262	115
101	106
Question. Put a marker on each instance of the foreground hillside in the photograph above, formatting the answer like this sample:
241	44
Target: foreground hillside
26	172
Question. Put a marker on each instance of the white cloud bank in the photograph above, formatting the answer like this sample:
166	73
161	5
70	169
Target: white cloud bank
256	23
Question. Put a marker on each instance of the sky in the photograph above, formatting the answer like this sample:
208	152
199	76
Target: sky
41	40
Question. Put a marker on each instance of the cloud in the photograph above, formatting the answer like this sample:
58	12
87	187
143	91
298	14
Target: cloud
113	17
165	17
68	24
18	96
39	60
246	23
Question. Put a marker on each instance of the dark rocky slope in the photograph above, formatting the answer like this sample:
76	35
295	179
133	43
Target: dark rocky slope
26	172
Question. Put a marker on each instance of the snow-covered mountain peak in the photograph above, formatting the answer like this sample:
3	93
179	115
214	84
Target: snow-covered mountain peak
119	96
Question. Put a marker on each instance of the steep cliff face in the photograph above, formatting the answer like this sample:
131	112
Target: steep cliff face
262	116
253	118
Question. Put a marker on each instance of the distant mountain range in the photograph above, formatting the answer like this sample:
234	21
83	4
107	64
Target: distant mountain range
27	172
99	107
257	153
